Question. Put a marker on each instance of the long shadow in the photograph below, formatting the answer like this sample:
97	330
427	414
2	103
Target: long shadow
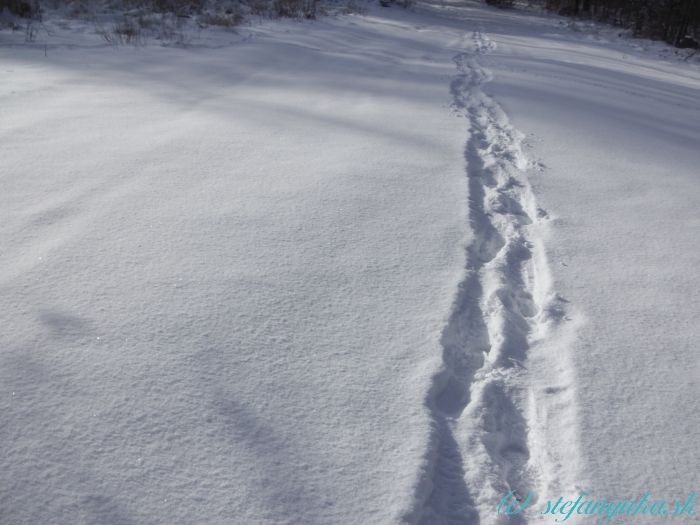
465	341
450	502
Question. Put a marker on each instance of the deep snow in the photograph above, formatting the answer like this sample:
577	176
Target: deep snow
618	131
224	275
370	269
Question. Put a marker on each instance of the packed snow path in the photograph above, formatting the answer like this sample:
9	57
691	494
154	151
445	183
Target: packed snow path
305	275
503	304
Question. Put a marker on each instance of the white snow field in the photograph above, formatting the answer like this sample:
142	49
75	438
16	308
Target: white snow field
371	269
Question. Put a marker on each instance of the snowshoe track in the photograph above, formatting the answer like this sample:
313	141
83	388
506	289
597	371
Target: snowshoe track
480	439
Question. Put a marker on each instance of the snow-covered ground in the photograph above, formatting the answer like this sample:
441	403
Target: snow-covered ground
371	269
617	131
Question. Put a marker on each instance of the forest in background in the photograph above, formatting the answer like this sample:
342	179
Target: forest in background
674	21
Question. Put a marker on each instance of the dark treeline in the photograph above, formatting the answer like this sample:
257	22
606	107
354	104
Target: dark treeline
24	8
231	11
674	21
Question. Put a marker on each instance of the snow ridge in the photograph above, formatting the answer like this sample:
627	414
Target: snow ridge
503	306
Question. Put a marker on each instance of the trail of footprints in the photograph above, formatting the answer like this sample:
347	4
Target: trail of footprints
480	433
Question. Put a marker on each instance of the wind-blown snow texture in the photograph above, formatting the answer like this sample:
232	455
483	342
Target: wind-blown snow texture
372	269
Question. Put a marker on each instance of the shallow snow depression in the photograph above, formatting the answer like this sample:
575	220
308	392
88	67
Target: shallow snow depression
370	269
